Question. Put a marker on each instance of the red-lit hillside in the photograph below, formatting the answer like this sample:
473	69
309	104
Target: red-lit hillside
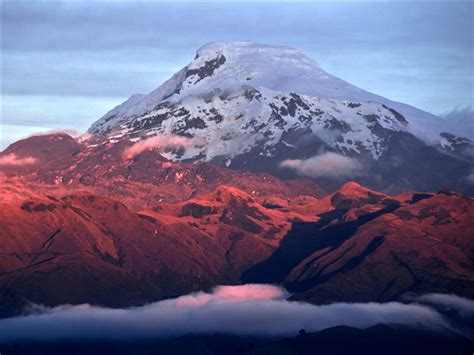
80	223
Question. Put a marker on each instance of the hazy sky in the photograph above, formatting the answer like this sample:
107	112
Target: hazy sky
64	64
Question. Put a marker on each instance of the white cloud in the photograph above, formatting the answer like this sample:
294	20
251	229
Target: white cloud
324	165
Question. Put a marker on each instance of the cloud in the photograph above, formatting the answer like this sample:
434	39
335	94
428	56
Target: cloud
470	178
12	133
250	292
460	121
259	310
13	160
70	132
463	307
77	135
160	141
324	165
459	311
460	113
225	294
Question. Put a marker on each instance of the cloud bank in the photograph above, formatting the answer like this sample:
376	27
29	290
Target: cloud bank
156	142
13	160
259	310
325	165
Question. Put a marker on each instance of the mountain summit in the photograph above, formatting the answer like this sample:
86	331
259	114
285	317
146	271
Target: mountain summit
273	109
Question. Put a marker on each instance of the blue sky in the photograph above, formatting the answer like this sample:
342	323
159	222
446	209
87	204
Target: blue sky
64	64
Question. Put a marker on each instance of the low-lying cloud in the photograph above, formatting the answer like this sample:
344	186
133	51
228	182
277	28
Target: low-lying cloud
13	160
157	142
325	165
259	310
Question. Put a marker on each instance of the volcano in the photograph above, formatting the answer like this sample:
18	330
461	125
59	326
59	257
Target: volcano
272	109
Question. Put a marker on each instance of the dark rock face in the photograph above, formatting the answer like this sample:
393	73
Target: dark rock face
353	104
206	70
410	164
458	146
197	211
397	115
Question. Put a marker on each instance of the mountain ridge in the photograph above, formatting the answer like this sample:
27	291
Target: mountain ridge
146	228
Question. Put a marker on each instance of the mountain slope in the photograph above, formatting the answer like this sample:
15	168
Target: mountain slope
396	245
102	252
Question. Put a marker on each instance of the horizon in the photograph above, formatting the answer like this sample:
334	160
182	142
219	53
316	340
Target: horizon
428	64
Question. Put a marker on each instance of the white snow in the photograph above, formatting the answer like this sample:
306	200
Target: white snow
233	135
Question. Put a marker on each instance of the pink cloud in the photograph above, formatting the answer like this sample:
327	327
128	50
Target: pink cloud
13	160
250	292
161	141
231	294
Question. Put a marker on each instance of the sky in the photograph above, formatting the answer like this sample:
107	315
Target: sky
65	63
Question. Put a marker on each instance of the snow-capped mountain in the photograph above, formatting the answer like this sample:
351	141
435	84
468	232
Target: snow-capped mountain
252	106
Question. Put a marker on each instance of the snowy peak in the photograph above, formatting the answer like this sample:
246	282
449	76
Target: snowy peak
247	51
226	67
246	63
